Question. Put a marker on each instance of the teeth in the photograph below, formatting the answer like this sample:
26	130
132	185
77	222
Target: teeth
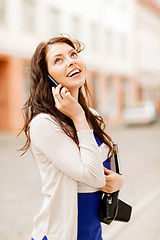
73	72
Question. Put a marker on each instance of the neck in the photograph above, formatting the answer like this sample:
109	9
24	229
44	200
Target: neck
75	93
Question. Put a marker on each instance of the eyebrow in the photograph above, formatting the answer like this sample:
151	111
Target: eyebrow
59	54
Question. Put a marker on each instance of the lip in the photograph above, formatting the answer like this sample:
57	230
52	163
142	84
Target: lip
73	70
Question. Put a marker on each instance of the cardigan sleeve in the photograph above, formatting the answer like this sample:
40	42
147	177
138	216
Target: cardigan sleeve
83	165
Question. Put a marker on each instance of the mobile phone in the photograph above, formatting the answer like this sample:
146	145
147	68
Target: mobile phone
52	81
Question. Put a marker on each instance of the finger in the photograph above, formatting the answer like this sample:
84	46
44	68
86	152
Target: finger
53	90
57	103
57	93
103	189
53	93
107	171
63	93
69	97
109	183
56	89
110	180
55	98
106	189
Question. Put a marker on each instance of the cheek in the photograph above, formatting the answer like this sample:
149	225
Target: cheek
83	67
57	73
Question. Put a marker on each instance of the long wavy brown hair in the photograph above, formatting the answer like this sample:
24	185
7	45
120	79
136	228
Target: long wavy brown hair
41	99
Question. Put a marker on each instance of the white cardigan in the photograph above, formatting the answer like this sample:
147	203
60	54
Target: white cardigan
65	170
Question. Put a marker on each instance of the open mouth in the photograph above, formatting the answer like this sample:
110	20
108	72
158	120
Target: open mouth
74	72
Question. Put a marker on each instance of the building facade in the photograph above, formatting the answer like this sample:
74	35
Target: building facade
107	27
147	65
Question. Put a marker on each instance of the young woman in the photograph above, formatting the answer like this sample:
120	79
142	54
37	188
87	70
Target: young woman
68	142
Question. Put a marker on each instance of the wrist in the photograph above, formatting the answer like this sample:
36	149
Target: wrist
80	122
78	118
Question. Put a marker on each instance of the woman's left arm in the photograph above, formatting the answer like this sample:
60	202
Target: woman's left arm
114	181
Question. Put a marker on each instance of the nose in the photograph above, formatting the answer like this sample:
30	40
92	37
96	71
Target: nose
71	62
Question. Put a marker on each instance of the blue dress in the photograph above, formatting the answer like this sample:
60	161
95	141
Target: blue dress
89	226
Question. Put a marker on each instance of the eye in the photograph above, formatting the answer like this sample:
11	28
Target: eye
58	60
73	54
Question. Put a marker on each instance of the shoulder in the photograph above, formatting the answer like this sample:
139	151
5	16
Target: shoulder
40	117
43	121
44	128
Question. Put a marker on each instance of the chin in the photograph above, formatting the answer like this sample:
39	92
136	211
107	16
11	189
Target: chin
77	84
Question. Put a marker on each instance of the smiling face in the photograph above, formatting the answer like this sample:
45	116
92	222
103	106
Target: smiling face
65	66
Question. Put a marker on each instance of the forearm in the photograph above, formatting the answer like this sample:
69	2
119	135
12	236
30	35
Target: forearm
83	165
81	123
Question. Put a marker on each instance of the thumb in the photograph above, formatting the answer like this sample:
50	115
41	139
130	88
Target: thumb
107	171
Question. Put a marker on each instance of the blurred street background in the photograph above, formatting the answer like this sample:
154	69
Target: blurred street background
122	57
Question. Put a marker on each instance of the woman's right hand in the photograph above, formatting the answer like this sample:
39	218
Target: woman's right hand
68	105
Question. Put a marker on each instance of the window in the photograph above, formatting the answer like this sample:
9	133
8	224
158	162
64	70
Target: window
54	21
116	44
109	42
122	46
29	15
76	27
111	97
2	11
94	37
